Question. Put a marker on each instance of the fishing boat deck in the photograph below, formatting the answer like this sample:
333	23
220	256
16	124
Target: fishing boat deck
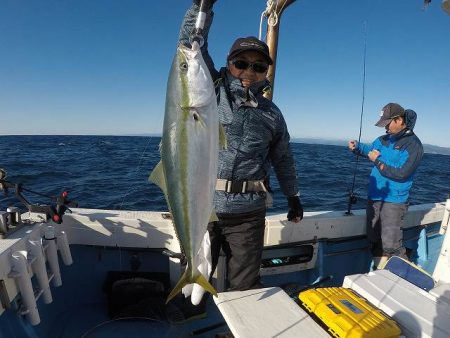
105	241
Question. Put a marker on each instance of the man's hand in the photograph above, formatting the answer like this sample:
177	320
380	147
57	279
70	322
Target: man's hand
295	213
373	155
352	145
209	3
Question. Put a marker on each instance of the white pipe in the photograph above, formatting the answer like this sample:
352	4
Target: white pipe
445	218
40	270
52	255
20	272
441	272
64	248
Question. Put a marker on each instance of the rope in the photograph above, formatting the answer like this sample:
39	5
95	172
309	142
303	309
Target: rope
269	13
351	197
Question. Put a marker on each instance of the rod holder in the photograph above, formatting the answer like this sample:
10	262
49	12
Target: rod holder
4	222
21	274
40	269
445	218
52	254
441	272
64	248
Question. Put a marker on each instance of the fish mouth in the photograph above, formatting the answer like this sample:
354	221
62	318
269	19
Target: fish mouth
189	52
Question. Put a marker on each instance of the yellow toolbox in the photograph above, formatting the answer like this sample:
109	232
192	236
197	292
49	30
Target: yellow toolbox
346	314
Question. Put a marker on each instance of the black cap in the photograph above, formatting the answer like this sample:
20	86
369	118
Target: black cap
388	113
249	43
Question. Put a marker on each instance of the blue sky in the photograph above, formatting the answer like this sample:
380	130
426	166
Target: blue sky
100	67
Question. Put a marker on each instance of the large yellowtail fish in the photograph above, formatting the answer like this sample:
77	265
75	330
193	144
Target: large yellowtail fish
189	149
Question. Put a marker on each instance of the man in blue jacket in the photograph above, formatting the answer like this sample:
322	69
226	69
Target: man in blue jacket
396	156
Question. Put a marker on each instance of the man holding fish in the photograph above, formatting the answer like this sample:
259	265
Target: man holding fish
257	140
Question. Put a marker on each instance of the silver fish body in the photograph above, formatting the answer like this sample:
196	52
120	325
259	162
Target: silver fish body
189	150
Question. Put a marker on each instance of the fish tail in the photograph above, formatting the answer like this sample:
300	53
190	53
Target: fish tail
203	282
186	279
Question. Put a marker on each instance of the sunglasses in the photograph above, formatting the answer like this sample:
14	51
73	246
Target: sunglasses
257	67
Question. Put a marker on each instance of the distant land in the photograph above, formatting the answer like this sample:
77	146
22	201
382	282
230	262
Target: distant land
428	148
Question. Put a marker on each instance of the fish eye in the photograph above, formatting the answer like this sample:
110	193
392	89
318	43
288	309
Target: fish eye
183	66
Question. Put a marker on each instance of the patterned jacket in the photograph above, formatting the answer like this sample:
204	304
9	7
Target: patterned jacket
256	132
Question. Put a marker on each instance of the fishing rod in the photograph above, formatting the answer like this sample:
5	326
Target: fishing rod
352	199
54	211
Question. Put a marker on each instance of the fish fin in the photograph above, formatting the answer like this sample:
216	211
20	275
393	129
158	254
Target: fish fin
222	137
157	176
187	279
213	217
184	280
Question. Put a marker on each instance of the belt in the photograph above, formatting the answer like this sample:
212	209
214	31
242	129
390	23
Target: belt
240	186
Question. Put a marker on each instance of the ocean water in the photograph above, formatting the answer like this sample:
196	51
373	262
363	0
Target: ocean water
111	172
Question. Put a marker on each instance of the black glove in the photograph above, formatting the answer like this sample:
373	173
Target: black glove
208	3
295	208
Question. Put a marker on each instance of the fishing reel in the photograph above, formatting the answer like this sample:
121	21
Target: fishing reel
352	199
54	211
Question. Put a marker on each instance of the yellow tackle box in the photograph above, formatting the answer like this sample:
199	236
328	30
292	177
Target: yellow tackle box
346	314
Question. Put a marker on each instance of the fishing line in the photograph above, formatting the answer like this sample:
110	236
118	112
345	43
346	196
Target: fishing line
53	198
125	195
106	322
352	196
137	170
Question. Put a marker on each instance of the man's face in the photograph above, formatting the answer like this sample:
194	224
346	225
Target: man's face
395	126
249	67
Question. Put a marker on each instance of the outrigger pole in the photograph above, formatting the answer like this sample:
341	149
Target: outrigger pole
273	28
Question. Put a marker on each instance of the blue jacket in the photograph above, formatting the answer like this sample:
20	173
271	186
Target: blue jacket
392	175
256	132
